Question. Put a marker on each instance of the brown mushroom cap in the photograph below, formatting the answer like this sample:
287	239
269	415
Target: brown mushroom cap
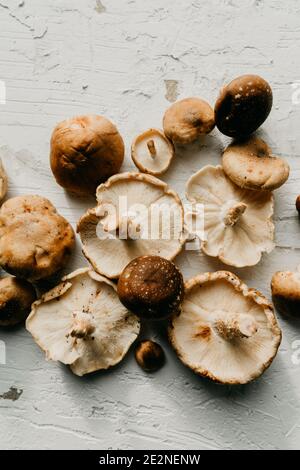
285	286
251	165
85	151
35	241
149	355
243	105
3	182
16	297
151	287
152	152
186	120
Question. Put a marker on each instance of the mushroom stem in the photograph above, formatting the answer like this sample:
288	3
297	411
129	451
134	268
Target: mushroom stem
82	327
236	326
234	213
151	148
126	226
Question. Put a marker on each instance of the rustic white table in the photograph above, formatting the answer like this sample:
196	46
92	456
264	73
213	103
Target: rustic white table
128	59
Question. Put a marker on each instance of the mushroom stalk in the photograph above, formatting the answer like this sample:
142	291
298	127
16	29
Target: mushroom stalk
82	327
234	213
126	227
151	148
236	326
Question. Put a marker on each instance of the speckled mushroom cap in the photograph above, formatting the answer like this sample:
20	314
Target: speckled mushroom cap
285	287
151	287
3	182
135	197
85	151
225	331
186	120
238	225
16	297
243	105
35	241
250	164
152	152
82	323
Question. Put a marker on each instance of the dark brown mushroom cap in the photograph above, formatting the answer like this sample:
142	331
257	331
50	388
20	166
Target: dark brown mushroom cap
85	151
151	287
243	105
285	286
149	355
298	204
16	297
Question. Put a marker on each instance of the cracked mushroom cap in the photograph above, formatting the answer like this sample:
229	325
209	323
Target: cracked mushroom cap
35	241
188	119
285	286
152	152
243	105
251	165
137	214
225	331
238	225
16	297
85	151
81	323
3	182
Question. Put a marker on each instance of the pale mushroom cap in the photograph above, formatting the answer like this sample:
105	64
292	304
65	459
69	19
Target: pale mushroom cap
251	165
194	334
186	120
3	182
152	152
87	304
144	195
35	241
239	243
285	286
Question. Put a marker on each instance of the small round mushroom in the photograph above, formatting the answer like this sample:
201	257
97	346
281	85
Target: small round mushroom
285	286
3	182
149	355
243	105
35	241
187	120
151	287
237	222
137	214
16	297
85	151
152	152
298	204
82	323
251	165
225	331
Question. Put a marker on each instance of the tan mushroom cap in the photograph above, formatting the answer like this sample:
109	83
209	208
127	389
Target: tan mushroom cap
225	331
186	120
251	165
152	152
285	287
145	204
3	182
82	323
16	297
35	241
238	225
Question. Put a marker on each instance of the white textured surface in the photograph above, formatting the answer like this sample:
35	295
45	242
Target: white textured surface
125	59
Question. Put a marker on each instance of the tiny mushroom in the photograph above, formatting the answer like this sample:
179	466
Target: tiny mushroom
243	105
3	182
35	241
82	323
250	164
85	151
225	331
285	286
151	287
238	225
187	120
137	214
16	297
298	204
149	355
152	152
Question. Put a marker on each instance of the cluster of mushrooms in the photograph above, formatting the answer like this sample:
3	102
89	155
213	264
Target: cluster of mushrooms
218	326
